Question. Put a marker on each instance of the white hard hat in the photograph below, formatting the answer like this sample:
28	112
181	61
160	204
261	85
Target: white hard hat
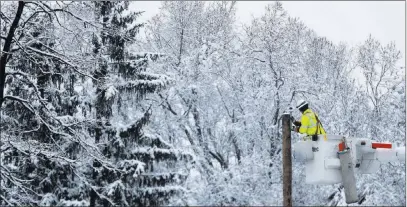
301	103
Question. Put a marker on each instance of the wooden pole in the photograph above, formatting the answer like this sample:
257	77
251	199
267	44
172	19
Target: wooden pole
287	166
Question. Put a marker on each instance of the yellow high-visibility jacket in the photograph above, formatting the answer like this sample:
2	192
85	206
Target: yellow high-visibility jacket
309	124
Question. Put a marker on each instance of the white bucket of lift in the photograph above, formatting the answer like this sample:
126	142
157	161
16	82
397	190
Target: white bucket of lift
302	151
325	166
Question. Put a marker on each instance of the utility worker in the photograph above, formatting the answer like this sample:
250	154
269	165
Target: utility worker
309	124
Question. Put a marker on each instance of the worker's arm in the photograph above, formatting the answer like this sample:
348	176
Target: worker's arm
304	124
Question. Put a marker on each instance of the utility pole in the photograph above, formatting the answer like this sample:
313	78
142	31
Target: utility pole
287	164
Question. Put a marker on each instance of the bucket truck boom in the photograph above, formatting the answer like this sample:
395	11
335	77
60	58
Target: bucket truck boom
335	159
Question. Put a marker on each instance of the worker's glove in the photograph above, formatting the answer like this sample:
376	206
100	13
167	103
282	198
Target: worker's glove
297	129
297	123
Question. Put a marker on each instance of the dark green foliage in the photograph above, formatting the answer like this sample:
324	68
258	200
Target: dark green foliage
125	74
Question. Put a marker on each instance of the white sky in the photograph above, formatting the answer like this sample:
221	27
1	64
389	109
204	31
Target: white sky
346	21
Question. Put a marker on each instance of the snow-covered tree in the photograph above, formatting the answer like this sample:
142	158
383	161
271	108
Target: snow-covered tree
92	113
382	76
39	132
141	158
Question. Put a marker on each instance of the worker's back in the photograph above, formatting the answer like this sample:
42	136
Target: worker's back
310	124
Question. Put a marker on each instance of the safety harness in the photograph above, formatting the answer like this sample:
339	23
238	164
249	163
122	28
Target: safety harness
315	136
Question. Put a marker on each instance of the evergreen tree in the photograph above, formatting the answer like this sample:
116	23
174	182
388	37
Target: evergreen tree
38	136
139	158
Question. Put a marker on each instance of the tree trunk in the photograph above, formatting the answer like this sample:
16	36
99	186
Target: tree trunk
180	47
6	49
